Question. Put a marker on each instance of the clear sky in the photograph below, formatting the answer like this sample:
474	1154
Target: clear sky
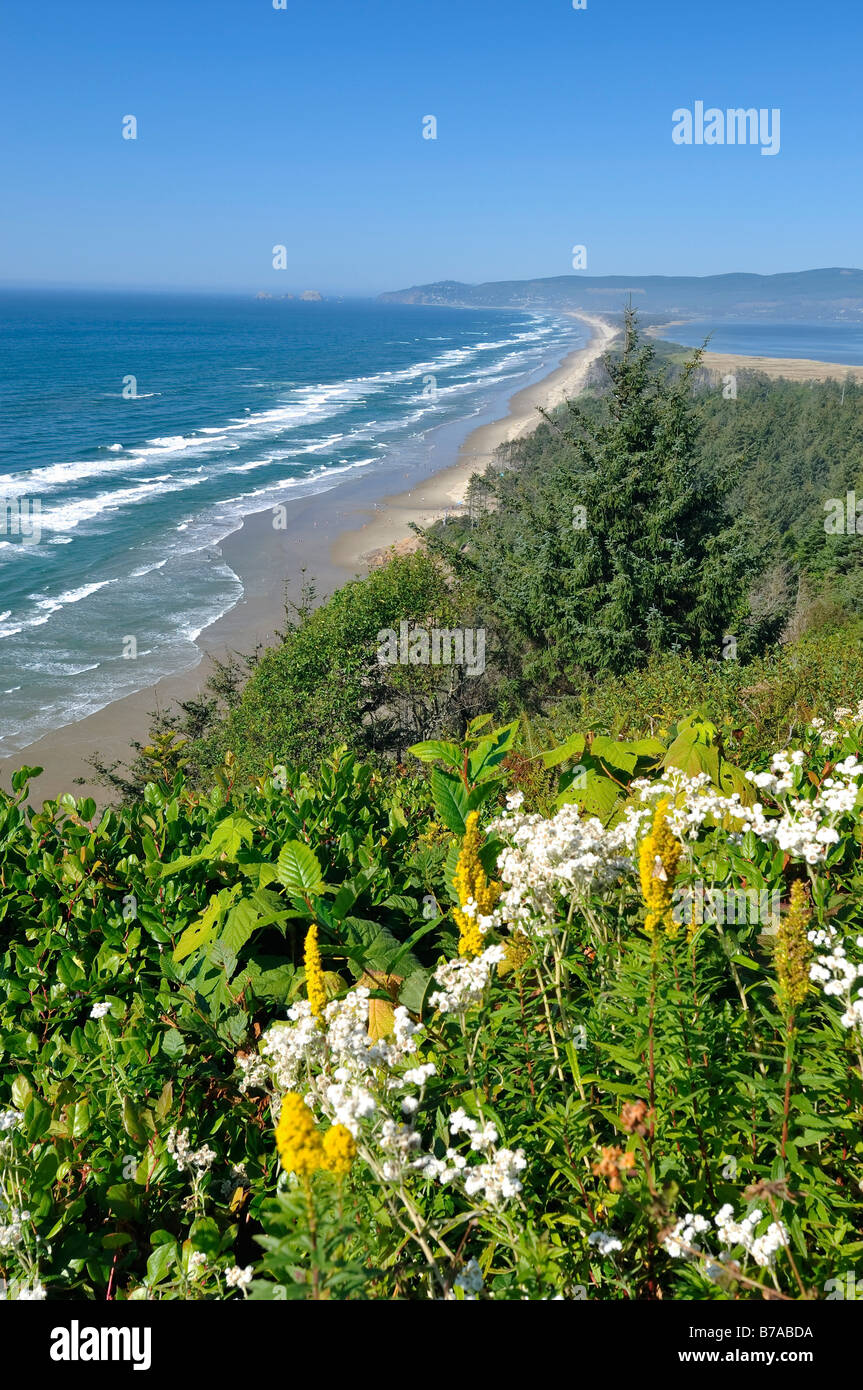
303	127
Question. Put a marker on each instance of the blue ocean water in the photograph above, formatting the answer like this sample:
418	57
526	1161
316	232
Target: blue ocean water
237	404
819	342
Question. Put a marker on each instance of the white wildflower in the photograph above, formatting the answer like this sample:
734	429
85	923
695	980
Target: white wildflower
604	1241
470	1280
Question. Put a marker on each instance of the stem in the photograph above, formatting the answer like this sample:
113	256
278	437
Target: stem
313	1237
695	1115
651	1064
741	991
525	1036
789	1070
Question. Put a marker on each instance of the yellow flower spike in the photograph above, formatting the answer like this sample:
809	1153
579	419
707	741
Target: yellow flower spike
315	992
471	884
793	949
340	1150
297	1140
658	860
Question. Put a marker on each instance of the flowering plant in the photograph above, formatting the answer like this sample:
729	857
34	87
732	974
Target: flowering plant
624	1062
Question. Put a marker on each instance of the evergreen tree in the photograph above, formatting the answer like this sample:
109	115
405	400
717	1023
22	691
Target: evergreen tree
622	546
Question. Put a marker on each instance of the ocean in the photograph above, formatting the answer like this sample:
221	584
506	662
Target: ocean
138	431
819	342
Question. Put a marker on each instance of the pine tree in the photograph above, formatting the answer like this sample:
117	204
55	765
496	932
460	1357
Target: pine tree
649	564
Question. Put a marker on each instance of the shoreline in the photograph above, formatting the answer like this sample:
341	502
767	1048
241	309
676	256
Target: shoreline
785	368
778	368
445	491
331	536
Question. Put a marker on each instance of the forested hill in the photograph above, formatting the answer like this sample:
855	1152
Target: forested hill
833	293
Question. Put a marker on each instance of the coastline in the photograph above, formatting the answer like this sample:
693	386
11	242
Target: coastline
784	368
787	368
330	536
389	529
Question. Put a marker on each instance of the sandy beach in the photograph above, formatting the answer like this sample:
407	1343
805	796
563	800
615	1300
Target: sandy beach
786	368
331	537
445	491
789	368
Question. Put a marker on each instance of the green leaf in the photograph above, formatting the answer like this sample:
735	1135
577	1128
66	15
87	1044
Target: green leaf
274	984
37	1119
261	910
206	928
160	1262
352	889
490	752
23	776
370	946
116	1240
69	972
434	750
450	799
229	837
299	871
204	1235
132	1122
598	797
22	1092
566	752
173	1045
46	1169
413	992
166	1099
616	755
78	1116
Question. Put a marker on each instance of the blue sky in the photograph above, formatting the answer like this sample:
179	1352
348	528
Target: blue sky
303	127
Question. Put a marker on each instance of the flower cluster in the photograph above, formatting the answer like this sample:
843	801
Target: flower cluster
681	1241
658	860
317	995
605	1242
836	974
363	1087
340	1150
762	1248
302	1149
807	827
12	1230
476	895
613	1162
547	860
794	949
496	1181
297	1139
463	981
470	1281
179	1147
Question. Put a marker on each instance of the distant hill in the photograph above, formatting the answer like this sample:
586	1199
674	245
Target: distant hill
833	294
